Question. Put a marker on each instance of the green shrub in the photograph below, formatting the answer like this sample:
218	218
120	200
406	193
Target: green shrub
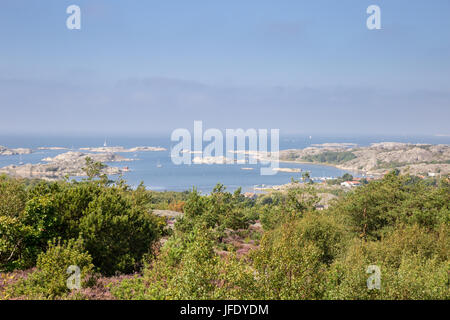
414	264
40	213
192	275
49	281
116	234
399	223
13	197
71	203
377	207
14	253
371	208
219	210
26	235
288	266
13	232
295	203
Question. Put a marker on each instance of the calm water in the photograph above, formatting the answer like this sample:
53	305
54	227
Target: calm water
202	176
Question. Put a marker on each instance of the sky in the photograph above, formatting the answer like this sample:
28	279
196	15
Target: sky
147	66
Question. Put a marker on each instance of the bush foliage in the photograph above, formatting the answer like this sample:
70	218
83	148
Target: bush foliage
398	223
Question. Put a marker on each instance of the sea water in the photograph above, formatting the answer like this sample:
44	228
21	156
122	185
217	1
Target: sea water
156	170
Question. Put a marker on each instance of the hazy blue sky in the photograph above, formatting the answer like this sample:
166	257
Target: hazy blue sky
142	66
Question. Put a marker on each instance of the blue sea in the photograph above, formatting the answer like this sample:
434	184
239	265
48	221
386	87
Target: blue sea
202	176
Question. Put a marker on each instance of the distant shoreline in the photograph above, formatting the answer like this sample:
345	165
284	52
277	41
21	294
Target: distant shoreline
376	159
322	164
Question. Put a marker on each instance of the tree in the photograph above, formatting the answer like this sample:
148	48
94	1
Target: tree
93	169
306	177
347	177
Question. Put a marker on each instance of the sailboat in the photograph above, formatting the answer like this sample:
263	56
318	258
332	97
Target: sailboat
104	144
159	165
20	160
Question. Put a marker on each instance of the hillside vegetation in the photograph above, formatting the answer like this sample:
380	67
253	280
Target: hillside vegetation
224	246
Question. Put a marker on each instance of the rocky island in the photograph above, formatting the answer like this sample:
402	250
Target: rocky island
376	159
11	152
70	163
